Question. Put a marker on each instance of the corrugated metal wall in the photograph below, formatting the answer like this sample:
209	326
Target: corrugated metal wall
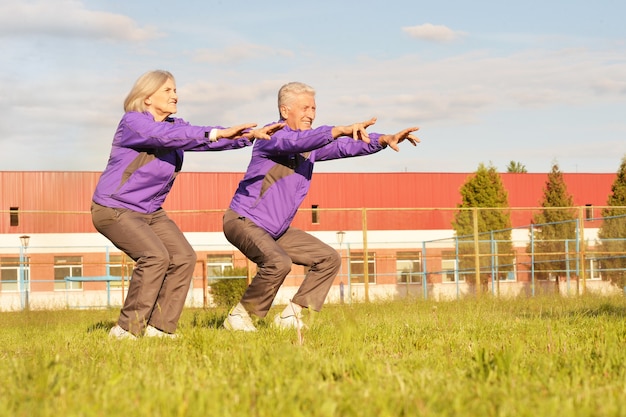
62	199
48	201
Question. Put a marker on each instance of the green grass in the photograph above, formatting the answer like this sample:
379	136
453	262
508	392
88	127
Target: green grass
521	357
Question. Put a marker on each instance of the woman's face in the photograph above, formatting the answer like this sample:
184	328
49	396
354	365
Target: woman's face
163	102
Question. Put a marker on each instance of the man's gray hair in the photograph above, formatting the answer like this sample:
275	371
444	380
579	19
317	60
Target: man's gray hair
290	90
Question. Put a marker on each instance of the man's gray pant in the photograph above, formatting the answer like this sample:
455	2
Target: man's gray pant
274	259
165	264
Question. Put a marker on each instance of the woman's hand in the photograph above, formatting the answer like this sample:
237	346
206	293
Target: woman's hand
234	132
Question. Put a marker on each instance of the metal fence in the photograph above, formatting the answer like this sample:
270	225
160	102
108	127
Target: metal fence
386	253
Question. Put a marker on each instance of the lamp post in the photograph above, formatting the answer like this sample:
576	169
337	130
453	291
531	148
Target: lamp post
24	275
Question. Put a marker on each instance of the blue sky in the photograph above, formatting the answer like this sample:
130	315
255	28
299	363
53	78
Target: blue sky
536	82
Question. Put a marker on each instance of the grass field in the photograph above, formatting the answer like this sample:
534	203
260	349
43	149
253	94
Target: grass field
521	357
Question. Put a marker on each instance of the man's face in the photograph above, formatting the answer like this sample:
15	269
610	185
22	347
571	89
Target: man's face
300	112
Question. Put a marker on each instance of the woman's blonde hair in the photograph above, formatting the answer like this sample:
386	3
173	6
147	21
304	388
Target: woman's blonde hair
144	87
289	91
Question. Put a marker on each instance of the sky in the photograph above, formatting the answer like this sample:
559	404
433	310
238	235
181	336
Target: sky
488	82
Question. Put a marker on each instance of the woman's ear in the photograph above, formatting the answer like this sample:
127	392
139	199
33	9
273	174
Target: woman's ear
283	111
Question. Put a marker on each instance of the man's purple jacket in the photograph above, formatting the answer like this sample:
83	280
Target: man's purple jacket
279	174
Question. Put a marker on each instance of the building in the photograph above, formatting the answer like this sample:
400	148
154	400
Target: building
401	220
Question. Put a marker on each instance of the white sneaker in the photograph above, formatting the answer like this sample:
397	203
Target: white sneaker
289	322
118	333
152	331
239	322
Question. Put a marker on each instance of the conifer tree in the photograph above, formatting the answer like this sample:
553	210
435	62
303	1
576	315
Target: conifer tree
612	232
484	190
516	167
555	225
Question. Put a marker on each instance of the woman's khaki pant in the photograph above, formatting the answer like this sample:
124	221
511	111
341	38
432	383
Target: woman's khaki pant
164	265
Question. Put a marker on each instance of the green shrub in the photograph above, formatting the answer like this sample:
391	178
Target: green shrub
227	290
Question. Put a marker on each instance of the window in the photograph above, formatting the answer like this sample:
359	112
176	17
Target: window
9	274
507	276
450	268
120	266
14	216
588	211
67	266
449	272
595	269
409	267
357	270
217	265
315	214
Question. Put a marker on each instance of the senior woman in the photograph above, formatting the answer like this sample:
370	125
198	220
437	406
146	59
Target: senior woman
146	156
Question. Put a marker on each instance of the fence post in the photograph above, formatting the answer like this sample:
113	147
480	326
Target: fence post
366	276
205	283
493	264
424	269
22	281
457	273
349	274
567	266
249	270
581	255
532	260
476	251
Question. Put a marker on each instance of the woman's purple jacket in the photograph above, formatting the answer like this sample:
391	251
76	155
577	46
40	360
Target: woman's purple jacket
146	156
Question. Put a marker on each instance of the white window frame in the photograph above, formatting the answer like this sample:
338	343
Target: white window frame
409	263
506	274
10	264
449	268
357	258
119	262
73	265
217	261
595	269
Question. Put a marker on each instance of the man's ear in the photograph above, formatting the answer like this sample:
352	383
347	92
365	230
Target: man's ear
283	111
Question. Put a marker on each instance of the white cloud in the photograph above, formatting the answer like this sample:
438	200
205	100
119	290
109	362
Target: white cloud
609	86
434	33
69	19
239	53
499	98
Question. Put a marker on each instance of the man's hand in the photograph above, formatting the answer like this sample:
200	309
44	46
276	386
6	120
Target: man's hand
393	140
265	132
356	130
